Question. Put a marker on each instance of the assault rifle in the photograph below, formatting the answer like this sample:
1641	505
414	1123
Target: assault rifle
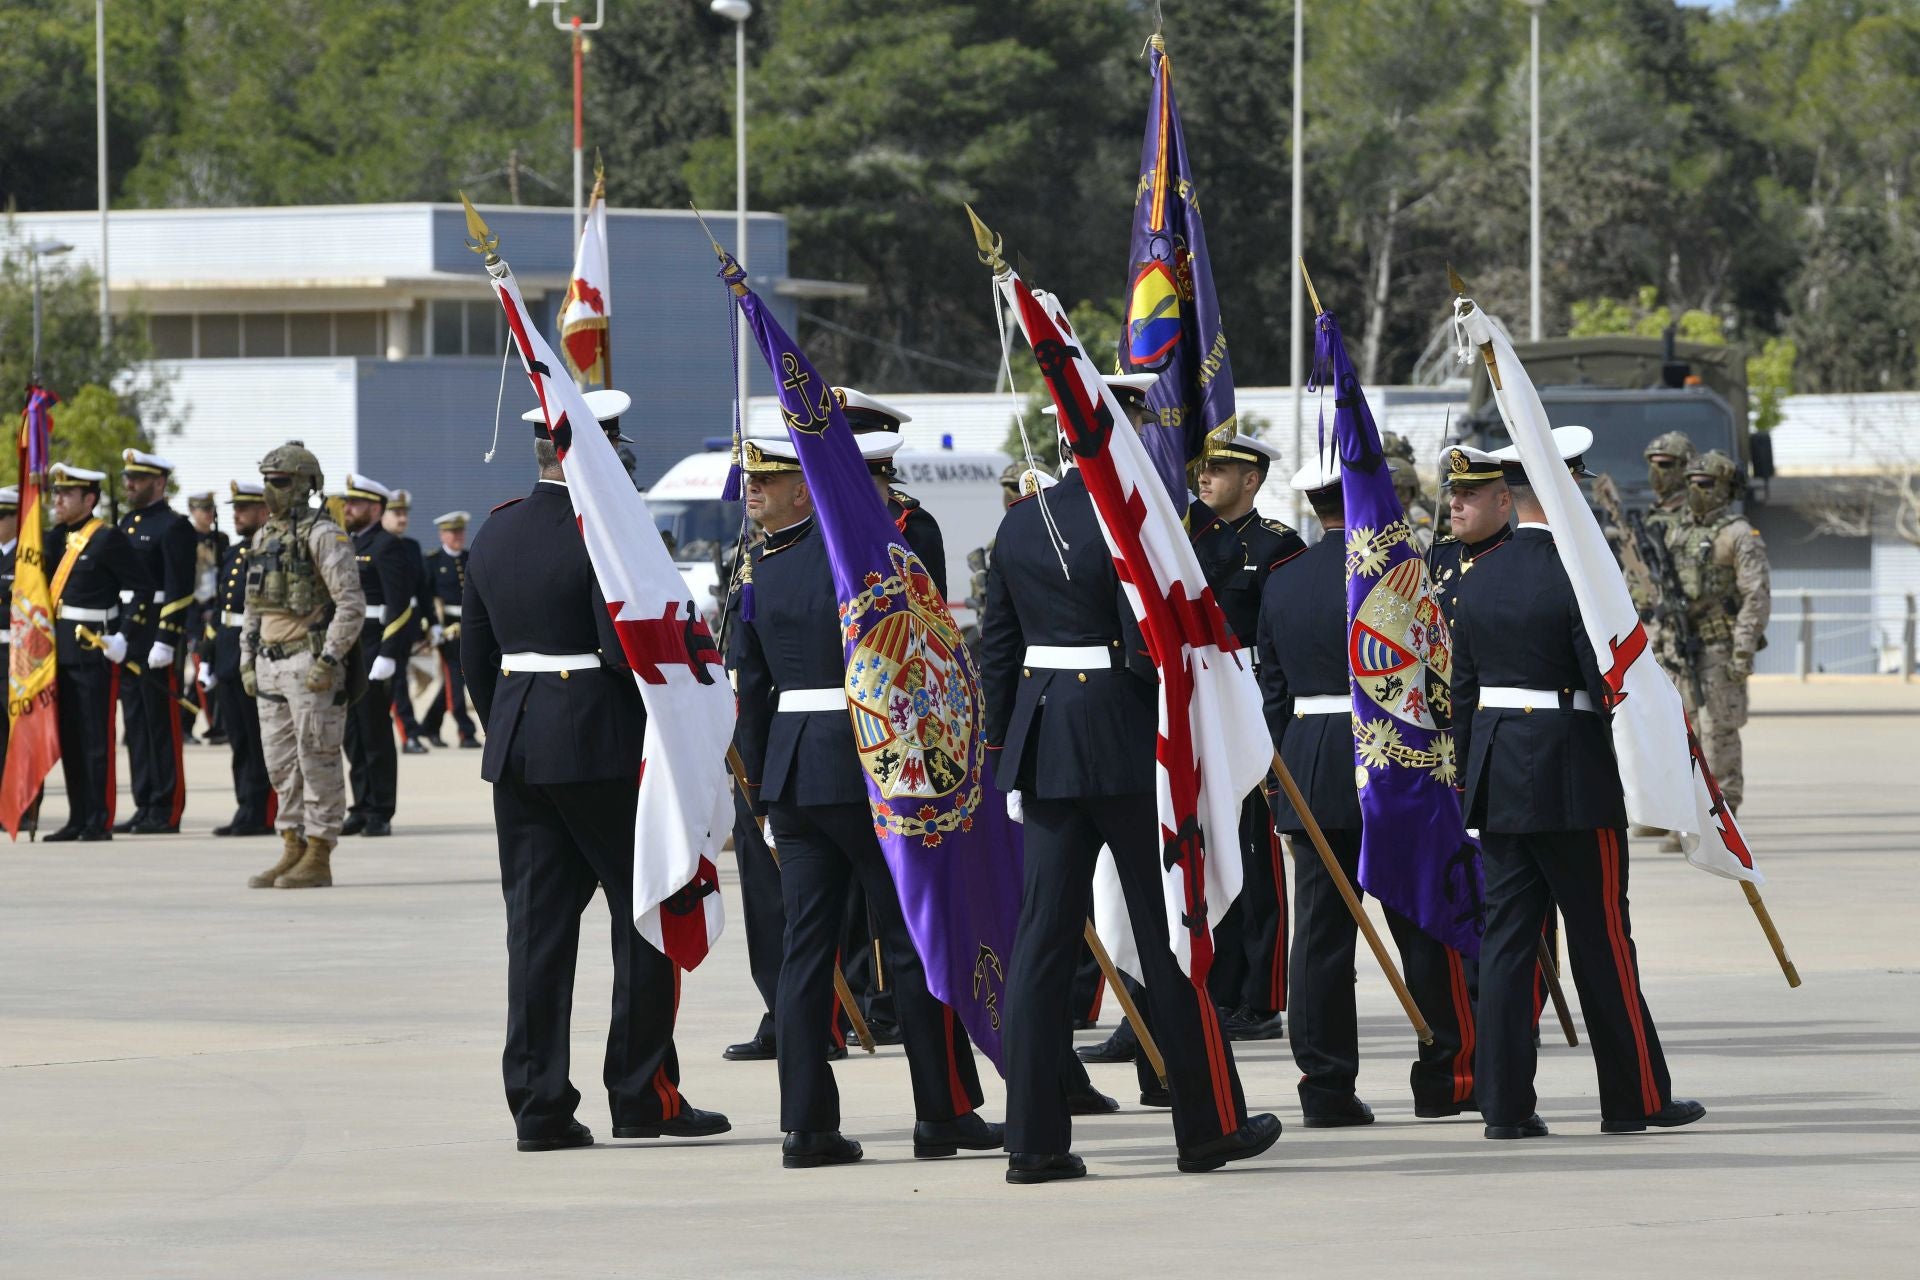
1670	608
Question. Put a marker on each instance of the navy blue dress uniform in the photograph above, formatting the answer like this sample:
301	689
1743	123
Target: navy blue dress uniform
104	567
1307	698
210	548
1542	788
166	544
420	598
796	745
1071	719
386	578
1249	975
9	509
565	728
446	583
256	805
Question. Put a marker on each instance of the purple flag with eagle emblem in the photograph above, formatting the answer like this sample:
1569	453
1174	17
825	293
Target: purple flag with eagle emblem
1415	854
1173	318
915	698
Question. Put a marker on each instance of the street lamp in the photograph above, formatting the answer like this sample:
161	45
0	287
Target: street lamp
36	250
578	30
1533	270
737	12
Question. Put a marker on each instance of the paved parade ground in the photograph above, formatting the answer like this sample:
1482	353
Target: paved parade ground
196	1079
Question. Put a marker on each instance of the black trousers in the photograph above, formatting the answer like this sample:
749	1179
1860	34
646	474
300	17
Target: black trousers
373	761
558	843
1063	839
871	984
765	921
1250	943
252	789
1585	873
822	849
1089	986
1323	1026
154	743
453	696
402	704
88	687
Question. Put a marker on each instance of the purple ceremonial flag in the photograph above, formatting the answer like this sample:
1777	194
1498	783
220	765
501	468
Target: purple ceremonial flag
918	711
1173	318
1415	854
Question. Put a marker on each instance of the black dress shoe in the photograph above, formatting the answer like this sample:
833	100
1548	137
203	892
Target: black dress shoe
1255	1024
249	829
836	1052
92	835
377	827
1532	1127
467	744
354	825
933	1139
1089	1101
692	1122
434	740
1085	1024
813	1150
574	1135
226	830
758	1049
217	739
1441	1110
1340	1115
1121	1046
1156	1097
155	827
885	1032
414	747
1022	1168
62	836
126	828
1249	1140
1676	1113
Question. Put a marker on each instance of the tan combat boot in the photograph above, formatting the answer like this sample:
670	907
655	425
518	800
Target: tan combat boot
315	870
295	846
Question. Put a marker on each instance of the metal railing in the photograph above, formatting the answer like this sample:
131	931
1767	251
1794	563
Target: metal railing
1878	639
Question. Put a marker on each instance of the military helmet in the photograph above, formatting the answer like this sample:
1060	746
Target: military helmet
1715	464
296	460
1672	444
1395	445
1010	477
1722	476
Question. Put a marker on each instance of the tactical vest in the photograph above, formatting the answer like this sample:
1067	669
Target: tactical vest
1713	591
281	574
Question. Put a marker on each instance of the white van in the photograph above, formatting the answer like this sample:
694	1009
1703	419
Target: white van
960	490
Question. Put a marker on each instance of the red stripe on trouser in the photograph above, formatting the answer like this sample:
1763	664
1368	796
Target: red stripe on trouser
113	746
446	681
1216	1062
1463	1014
962	1104
1277	980
179	802
663	1086
399	725
1099	997
1609	841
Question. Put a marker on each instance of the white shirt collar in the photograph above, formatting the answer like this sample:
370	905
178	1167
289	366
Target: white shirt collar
1534	524
561	483
7	545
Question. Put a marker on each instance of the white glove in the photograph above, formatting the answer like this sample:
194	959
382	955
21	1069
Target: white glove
383	668
436	635
1016	807
115	648
207	679
161	655
766	832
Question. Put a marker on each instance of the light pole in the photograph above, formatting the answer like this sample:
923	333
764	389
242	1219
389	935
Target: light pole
36	250
100	159
1533	268
577	29
1296	322
737	12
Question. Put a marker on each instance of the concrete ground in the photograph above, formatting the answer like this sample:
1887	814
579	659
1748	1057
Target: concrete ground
200	1080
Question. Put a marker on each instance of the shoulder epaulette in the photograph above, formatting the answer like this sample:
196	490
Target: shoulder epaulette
503	506
1445	537
1277	526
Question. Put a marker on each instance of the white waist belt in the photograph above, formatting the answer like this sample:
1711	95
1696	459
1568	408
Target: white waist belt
75	613
160	596
813	699
375	613
1535	699
450	610
232	619
1059	657
512	662
1324	704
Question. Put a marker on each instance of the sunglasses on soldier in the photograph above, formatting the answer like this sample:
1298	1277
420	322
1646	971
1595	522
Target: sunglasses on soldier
279	482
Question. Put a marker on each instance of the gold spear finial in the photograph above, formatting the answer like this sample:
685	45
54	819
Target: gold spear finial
1312	295
599	176
738	286
1465	306
990	245
1455	283
479	239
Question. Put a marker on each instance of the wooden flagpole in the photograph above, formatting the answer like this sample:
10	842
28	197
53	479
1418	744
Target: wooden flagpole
1127	1006
1773	935
1551	973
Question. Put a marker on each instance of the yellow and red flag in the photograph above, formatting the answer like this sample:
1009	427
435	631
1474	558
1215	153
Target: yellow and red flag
588	307
33	718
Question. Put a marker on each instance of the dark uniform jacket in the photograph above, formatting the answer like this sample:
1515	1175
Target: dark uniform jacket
530	589
386	578
106	568
446	580
421	597
1519	627
1303	653
1264	545
923	535
1064	734
167	546
221	648
1448	560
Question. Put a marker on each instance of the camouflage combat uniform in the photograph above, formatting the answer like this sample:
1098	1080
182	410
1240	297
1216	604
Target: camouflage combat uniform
1669	484
1722	565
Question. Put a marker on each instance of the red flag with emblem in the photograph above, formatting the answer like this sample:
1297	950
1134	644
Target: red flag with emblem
588	307
686	809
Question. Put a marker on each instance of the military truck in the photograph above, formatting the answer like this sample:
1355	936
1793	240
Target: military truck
1626	391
